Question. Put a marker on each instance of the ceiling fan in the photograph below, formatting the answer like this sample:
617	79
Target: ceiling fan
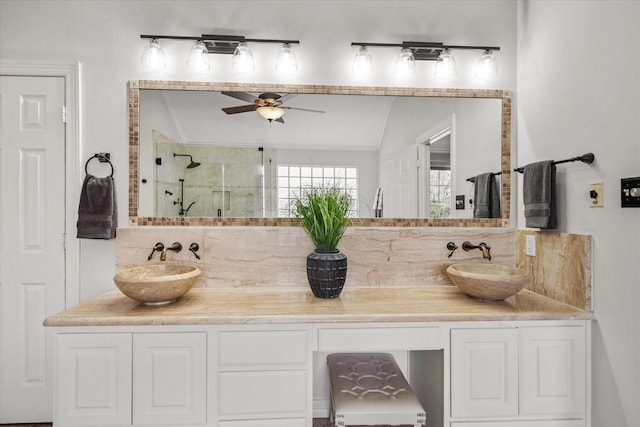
268	105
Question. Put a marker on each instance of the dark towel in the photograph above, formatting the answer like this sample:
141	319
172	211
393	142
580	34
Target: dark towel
539	194
97	212
487	196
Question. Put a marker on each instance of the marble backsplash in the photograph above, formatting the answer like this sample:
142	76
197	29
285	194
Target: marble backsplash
276	256
561	269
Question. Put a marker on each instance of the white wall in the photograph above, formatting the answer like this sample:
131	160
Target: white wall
578	91
104	36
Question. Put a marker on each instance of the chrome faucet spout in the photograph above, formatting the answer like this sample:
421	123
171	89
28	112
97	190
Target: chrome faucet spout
176	246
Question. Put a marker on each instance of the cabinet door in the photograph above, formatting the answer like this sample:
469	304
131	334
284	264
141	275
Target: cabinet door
169	378
93	375
484	373
541	423
553	371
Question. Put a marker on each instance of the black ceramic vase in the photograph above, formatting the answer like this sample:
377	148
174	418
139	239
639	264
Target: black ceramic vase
326	272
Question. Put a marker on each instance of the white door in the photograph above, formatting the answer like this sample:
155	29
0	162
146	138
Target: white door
32	226
400	183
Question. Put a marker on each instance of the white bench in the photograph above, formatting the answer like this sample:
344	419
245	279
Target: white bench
369	389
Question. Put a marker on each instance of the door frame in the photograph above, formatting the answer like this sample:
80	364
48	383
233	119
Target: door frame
70	71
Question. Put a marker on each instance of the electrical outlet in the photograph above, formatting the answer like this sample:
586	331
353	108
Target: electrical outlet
596	195
530	245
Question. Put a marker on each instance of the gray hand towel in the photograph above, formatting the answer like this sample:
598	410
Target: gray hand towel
487	196
97	212
539	194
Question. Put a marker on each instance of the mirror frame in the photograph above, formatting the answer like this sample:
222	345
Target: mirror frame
135	86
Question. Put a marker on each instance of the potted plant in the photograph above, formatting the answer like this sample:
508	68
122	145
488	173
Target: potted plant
323	214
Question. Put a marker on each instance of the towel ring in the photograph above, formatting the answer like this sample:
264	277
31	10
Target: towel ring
103	158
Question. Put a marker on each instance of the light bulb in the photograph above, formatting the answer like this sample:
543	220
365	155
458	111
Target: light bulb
487	65
446	64
405	64
362	62
286	61
270	113
153	56
243	58
198	58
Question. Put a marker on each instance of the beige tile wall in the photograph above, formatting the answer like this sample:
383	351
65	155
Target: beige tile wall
276	256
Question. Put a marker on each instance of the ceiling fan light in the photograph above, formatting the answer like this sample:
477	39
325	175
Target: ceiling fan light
286	61
362	62
270	113
446	64
153	56
487	65
198	58
243	58
405	64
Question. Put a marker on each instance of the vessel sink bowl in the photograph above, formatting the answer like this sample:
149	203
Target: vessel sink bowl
492	282
156	284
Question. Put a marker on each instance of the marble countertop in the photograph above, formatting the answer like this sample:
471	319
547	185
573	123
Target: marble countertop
201	306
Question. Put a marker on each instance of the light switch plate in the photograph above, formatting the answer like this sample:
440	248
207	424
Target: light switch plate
596	195
530	245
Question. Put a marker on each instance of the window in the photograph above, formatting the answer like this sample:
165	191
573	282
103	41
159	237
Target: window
440	194
292	180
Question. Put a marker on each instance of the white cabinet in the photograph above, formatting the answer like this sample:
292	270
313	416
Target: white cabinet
169	379
116	379
263	376
515	375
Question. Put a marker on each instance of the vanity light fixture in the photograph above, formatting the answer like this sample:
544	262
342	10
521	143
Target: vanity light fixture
362	62
198	57
286	61
445	64
153	56
243	58
413	51
487	65
405	64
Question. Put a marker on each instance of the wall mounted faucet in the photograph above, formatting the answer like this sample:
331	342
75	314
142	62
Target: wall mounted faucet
486	250
177	247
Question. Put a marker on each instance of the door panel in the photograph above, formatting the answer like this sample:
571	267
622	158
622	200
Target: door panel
32	225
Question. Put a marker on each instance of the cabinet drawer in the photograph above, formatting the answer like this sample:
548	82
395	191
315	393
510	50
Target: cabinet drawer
541	423
269	349
262	394
291	422
379	339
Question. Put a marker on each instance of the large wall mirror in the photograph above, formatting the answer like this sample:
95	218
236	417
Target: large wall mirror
237	154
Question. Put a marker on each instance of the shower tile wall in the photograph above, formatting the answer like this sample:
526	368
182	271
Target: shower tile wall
228	182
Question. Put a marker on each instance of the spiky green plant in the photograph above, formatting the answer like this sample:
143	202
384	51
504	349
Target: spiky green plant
322	212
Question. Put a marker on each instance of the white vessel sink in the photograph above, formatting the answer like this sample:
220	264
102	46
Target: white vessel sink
156	284
493	282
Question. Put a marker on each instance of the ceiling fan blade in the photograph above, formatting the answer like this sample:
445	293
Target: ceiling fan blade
241	95
240	109
287	96
302	109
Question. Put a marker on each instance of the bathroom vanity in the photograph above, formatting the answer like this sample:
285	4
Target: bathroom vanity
244	357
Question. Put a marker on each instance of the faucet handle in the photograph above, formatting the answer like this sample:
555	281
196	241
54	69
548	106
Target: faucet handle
452	247
158	247
194	247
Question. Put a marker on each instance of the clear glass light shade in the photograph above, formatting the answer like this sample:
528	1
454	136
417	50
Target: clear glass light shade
362	62
487	65
270	113
446	64
243	58
153	56
198	58
286	61
405	64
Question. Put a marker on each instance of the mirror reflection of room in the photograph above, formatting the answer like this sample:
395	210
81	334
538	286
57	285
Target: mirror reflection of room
370	146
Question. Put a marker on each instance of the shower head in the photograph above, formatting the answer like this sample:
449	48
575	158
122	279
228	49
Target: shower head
191	164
